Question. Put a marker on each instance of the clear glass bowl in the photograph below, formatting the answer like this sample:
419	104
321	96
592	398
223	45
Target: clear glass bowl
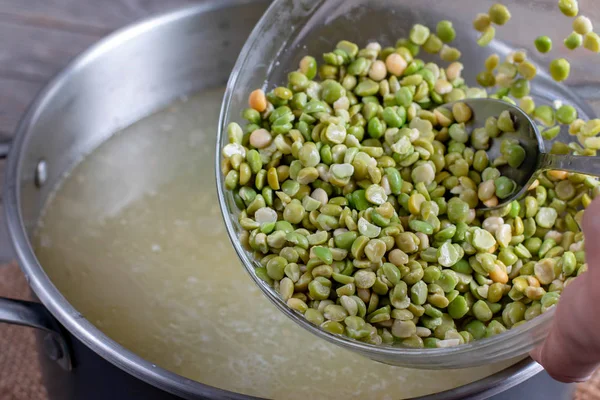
291	29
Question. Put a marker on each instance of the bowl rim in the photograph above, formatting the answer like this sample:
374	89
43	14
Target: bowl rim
415	358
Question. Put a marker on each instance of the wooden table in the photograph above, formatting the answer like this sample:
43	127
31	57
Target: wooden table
37	39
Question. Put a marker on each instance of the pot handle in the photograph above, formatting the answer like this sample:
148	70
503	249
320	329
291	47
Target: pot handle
35	315
6	251
5	147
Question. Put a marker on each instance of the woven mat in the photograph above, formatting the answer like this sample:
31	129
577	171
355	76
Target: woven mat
589	390
20	375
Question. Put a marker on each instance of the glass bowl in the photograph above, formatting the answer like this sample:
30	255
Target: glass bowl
291	29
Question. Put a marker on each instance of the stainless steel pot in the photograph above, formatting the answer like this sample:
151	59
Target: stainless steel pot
123	78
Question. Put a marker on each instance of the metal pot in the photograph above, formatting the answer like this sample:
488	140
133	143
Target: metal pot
123	78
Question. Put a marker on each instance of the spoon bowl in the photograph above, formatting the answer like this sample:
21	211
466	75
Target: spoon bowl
527	134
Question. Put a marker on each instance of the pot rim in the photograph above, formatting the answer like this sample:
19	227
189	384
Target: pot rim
74	321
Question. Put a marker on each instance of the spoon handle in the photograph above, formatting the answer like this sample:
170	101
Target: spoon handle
582	164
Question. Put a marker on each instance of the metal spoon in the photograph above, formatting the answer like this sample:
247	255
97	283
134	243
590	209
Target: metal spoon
528	135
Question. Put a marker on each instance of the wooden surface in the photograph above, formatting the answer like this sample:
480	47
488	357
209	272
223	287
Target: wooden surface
37	39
